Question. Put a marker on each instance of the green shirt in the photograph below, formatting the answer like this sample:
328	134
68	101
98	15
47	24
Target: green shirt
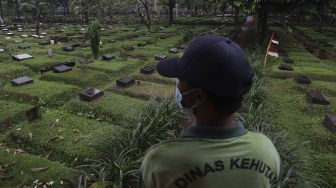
212	158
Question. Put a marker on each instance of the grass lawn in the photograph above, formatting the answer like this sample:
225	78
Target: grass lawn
19	172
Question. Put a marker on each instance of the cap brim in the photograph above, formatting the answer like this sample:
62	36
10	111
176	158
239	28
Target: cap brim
169	68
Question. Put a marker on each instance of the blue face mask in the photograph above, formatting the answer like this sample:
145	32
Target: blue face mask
179	96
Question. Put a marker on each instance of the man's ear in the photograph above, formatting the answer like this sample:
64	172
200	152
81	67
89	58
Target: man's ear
200	96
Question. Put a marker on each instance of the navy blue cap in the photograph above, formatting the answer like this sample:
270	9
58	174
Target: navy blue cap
214	63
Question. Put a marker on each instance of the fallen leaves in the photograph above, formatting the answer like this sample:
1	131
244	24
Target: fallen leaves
40	169
18	151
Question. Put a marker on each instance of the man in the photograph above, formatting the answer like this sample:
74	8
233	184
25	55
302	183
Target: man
213	75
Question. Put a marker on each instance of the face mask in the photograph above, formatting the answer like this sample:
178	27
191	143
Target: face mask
179	96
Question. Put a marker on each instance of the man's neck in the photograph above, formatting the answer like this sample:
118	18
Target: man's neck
220	121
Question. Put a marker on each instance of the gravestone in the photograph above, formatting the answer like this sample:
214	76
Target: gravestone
50	52
33	113
182	47
163	37
129	48
10	34
147	70
90	94
68	48
288	61
330	122
43	33
125	81
302	79
5	30
23	47
160	57
32	30
112	41
21	81
44	42
286	67
69	63
142	44
24	36
18	41
2	50
173	50
317	98
149	42
108	57
61	69
20	29
21	57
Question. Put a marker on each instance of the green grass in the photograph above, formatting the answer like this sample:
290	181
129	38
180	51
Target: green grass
20	173
12	112
82	77
114	66
60	136
42	92
111	107
155	77
145	90
313	73
14	70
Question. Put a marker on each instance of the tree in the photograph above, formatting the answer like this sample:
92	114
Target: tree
37	8
144	9
85	7
93	34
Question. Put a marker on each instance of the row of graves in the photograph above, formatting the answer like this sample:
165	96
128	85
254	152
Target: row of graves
145	77
313	97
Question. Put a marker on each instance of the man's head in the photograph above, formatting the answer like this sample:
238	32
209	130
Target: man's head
213	75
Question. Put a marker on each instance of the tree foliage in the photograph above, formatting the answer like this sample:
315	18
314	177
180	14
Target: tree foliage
93	34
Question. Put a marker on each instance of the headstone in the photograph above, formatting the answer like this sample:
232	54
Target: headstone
33	113
286	67
108	57
288	61
10	34
32	30
330	122
21	81
149	42
68	48
21	57
61	69
5	30
317	98
20	29
160	57
173	50
147	70
44	42
50	52
282	53
44	33
112	41
24	36
302	79
91	94
163	37
182	47
18	41
125	81
141	44
2	50
70	63
52	42
129	48
23	47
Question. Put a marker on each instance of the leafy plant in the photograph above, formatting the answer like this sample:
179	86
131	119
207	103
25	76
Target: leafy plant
93	34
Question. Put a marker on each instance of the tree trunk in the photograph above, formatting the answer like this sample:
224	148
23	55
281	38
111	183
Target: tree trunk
262	21
86	17
18	13
148	21
236	17
171	5
38	12
53	11
1	9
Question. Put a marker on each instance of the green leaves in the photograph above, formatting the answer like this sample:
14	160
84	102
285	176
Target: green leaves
94	34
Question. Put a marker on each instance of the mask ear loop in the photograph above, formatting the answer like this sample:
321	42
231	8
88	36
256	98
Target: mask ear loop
188	92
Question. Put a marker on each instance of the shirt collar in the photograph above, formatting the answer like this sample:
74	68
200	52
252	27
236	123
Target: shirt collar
214	132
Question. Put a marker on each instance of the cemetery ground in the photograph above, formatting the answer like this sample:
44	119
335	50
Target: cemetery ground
50	148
